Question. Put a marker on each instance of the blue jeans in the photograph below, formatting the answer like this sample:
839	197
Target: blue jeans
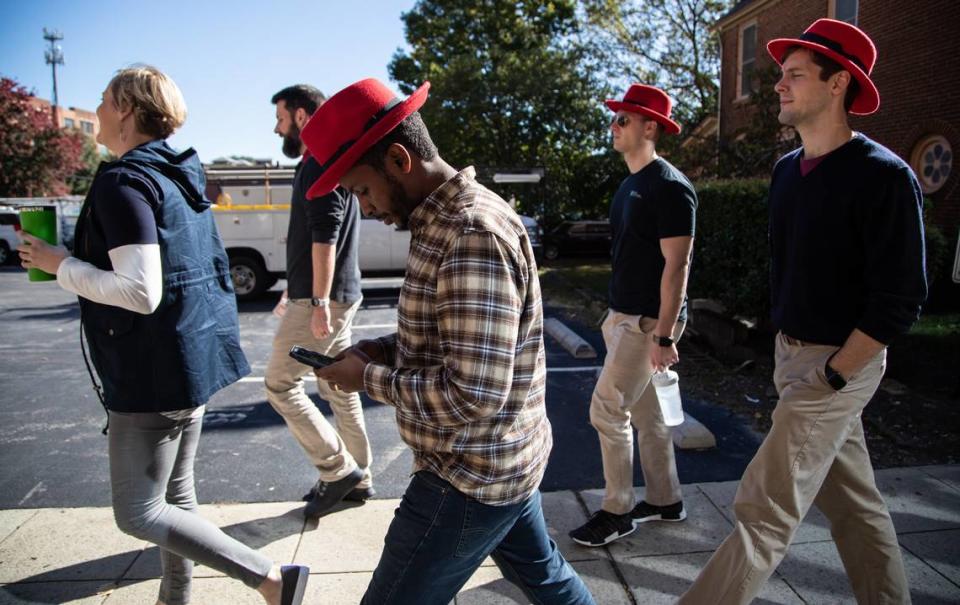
439	537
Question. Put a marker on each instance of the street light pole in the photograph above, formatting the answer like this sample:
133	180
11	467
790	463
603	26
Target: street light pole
54	57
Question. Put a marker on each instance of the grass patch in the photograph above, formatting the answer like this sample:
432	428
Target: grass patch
942	324
592	278
577	287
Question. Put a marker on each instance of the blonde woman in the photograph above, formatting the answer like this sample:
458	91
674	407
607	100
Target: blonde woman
160	320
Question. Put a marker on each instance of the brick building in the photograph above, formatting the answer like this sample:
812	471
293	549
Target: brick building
73	118
917	74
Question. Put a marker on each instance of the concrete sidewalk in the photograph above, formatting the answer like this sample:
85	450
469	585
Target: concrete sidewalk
78	556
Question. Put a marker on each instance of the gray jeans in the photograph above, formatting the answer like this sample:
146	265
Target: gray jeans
151	475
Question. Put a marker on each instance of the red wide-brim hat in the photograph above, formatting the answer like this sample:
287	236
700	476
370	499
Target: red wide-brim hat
846	44
349	123
648	101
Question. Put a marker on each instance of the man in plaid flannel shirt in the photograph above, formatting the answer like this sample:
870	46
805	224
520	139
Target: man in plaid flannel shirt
466	370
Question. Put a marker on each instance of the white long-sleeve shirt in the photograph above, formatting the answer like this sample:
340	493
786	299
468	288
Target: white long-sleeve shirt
135	284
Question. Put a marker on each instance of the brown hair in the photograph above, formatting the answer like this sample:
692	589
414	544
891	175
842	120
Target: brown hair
828	67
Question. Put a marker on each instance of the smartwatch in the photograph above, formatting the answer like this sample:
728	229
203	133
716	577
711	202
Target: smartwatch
834	379
319	302
663	341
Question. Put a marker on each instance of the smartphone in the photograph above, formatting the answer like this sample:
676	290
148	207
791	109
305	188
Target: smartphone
310	358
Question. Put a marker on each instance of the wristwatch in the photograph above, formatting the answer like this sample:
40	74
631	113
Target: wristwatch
319	302
834	379
663	341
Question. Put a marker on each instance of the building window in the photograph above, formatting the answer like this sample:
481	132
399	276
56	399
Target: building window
69	123
86	127
932	160
748	59
844	10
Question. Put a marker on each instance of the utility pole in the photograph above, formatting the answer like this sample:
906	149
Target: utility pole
54	56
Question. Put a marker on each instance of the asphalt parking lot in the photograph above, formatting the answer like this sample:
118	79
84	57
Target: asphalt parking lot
53	454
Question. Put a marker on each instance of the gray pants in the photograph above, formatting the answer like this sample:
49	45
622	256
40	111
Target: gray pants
151	475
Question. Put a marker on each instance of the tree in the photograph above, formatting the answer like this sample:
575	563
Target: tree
36	157
90	158
752	151
665	43
508	88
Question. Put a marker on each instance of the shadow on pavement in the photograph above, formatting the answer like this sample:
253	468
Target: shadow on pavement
145	564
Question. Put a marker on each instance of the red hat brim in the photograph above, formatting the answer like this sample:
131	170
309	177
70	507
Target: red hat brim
868	99
330	178
669	125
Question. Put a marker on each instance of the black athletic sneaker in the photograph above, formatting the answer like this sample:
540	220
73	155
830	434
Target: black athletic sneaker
327	495
603	528
644	512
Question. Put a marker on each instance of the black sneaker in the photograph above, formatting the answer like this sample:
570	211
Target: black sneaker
327	495
294	583
603	528
644	512
357	494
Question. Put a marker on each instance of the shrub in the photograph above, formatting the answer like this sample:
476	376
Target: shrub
731	259
935	242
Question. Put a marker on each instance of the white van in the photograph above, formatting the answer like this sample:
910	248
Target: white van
252	212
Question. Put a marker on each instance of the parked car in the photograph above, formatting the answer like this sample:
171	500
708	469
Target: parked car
535	233
577	237
9	240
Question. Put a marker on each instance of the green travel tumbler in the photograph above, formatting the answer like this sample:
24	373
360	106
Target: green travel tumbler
41	222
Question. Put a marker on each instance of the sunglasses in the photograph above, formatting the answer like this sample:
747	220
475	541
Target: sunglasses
620	120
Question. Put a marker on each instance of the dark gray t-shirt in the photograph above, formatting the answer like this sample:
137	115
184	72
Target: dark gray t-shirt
655	203
331	219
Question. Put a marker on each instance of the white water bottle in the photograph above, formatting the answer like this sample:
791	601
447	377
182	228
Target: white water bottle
668	393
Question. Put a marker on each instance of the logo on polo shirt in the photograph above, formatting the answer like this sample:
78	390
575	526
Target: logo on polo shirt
636	194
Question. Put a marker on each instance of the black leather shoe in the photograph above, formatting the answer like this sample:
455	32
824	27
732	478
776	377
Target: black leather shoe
327	495
360	494
357	494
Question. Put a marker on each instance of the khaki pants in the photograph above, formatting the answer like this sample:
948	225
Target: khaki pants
624	395
335	453
815	453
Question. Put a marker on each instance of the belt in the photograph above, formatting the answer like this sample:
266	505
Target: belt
790	340
794	341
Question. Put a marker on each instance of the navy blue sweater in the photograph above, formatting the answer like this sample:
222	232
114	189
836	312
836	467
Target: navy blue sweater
846	245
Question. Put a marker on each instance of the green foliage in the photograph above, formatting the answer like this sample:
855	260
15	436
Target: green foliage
937	246
731	260
667	43
507	89
752	151
937	325
90	159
